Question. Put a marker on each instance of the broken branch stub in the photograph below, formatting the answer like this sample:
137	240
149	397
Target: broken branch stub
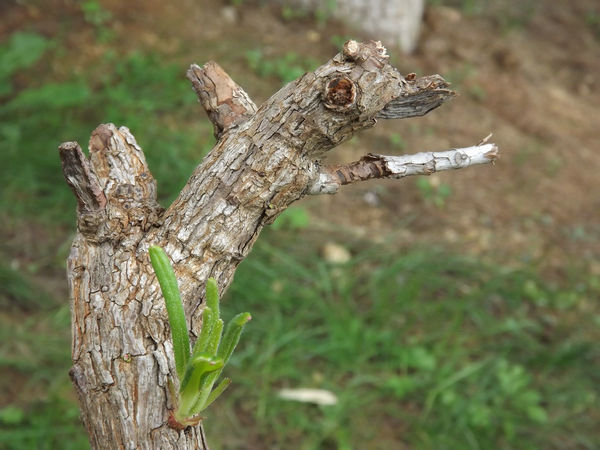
373	166
265	159
224	101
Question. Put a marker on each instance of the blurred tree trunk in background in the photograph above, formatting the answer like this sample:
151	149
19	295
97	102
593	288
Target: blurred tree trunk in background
395	22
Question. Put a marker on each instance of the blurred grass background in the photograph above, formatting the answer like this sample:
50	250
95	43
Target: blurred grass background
425	345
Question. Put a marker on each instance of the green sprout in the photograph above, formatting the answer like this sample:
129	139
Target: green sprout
199	369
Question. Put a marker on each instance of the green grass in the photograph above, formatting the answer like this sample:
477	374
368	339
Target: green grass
285	68
17	290
139	90
425	348
35	360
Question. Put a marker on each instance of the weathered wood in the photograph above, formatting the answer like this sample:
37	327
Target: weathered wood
226	103
265	160
373	166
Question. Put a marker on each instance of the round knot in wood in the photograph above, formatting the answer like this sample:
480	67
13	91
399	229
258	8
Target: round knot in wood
340	94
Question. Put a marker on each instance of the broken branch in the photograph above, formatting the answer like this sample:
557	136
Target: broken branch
81	177
225	102
419	96
381	166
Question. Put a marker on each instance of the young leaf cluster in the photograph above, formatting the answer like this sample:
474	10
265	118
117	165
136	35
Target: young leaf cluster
199	369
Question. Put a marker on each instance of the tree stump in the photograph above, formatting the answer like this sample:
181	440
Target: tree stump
265	159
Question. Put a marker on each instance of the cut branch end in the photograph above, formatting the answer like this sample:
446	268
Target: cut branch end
81	178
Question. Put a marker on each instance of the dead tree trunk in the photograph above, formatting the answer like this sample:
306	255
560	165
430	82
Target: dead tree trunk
264	160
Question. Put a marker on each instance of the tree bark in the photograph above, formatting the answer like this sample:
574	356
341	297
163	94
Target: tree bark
264	160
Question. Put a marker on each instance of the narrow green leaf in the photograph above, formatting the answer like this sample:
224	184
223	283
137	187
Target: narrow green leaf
232	335
187	377
198	366
215	338
207	326
191	388
212	296
230	340
206	385
170	290
224	384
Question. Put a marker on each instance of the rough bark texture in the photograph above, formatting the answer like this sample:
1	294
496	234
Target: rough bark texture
264	160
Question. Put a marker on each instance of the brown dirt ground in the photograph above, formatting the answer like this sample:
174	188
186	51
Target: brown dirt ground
534	84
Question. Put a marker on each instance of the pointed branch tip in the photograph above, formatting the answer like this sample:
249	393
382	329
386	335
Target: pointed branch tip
225	102
331	178
81	177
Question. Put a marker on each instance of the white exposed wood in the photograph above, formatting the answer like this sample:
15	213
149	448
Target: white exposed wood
264	160
330	179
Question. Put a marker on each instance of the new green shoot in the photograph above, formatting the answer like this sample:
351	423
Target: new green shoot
199	369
